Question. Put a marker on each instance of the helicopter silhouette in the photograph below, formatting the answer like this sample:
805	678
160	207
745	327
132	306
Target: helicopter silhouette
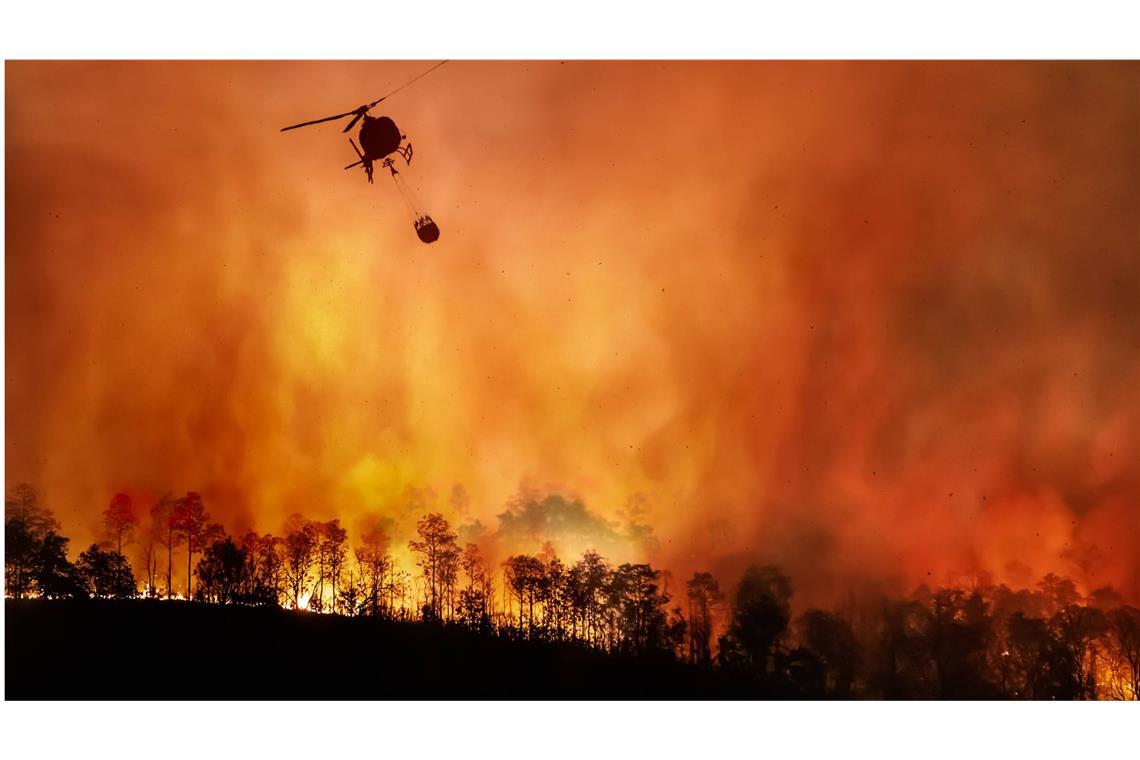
379	136
380	139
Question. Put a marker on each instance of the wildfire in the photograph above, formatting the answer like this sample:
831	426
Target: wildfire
772	353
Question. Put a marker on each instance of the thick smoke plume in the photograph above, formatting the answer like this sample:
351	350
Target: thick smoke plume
878	322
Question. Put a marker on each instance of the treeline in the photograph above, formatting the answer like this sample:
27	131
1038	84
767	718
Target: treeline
980	640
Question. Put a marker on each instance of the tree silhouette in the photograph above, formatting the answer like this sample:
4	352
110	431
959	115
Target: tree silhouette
473	599
107	574
676	633
300	553
1035	667
1058	593
22	503
902	668
330	552
1076	630
119	521
148	545
336	547
375	567
830	638
958	633
55	576
20	551
1124	627
224	573
191	521
641	621
472	563
449	560
162	525
553	593
523	575
704	596
437	549
265	569
761	612
587	581
350	601
35	556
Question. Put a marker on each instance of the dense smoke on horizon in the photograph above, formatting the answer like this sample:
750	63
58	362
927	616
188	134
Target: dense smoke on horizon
877	323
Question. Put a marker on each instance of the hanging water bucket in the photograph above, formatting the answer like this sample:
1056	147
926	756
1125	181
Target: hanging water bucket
427	229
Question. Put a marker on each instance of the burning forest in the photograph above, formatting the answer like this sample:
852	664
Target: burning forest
972	640
780	378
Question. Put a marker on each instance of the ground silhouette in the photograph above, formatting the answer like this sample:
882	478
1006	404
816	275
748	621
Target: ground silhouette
116	649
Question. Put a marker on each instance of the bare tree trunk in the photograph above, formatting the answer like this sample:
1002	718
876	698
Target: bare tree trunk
152	571
431	559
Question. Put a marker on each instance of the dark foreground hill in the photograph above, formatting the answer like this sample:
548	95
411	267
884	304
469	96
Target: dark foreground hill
94	649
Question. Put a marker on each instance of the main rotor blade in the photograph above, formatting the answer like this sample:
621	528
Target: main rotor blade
359	112
318	121
364	109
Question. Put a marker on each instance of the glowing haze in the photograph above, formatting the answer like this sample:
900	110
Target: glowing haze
876	322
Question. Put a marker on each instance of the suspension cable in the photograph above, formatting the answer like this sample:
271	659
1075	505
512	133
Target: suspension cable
410	81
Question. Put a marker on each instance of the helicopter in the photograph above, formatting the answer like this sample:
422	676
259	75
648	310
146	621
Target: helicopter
379	136
381	139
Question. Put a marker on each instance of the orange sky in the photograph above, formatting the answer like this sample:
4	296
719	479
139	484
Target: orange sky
877	322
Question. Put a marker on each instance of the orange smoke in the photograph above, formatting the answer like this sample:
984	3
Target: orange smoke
877	322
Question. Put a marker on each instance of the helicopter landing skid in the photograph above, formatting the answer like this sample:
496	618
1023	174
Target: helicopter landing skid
406	153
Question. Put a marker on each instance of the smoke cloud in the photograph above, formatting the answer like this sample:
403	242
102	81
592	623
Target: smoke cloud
875	322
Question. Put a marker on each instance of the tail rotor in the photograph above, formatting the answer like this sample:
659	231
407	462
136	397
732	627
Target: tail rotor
367	164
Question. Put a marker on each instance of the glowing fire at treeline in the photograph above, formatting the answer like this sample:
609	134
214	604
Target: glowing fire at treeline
976	639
